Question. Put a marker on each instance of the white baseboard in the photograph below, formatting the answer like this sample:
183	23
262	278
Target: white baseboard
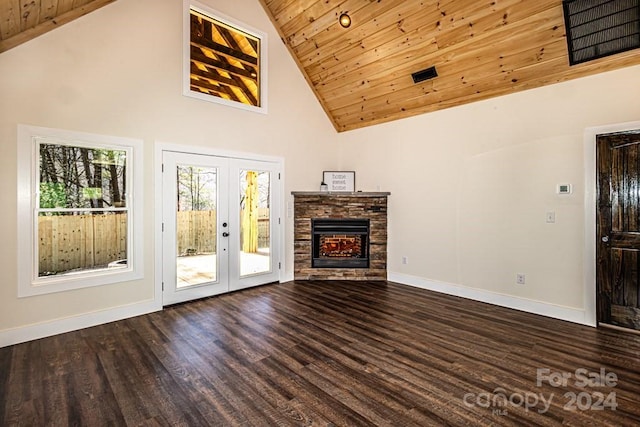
60	326
41	330
530	306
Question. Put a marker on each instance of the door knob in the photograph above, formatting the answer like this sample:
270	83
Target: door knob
225	234
605	239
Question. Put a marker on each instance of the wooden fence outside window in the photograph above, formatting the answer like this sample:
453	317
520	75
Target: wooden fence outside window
79	242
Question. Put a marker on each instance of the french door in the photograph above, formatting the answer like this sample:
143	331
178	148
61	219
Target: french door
220	225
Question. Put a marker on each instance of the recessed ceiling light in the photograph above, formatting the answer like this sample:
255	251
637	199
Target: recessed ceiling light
345	20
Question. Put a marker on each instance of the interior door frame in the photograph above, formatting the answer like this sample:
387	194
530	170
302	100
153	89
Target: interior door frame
590	205
159	148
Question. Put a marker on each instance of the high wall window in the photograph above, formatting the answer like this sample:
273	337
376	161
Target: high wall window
77	223
224	60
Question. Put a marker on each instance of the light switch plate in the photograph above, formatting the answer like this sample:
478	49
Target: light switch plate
551	217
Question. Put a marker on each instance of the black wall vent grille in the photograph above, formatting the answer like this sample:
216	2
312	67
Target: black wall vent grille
426	74
598	28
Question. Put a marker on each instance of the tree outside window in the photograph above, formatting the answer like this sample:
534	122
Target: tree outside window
82	208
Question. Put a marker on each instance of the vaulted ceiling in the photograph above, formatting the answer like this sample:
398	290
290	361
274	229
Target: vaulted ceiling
481	48
23	20
362	74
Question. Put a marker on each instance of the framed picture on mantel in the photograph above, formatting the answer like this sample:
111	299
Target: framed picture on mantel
340	180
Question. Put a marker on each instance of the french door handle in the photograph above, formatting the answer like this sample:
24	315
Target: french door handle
225	234
605	239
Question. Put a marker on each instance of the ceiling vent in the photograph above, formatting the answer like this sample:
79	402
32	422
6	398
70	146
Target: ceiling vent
598	28
426	74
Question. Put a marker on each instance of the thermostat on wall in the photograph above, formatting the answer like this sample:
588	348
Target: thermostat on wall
564	188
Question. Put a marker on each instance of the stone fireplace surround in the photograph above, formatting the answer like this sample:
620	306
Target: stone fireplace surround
363	205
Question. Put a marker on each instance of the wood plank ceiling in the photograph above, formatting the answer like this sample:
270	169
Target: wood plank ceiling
481	49
23	20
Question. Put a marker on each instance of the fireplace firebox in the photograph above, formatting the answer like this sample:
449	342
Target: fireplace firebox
340	243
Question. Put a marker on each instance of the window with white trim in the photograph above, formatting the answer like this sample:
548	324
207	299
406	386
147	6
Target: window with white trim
79	224
224	60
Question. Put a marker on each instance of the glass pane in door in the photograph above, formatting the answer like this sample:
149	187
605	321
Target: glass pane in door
255	224
196	239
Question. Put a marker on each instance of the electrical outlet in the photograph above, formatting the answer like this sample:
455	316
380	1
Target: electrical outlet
520	279
405	260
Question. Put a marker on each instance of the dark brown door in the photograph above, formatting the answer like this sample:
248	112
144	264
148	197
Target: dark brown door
618	229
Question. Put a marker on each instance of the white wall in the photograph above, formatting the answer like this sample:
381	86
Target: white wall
471	187
118	71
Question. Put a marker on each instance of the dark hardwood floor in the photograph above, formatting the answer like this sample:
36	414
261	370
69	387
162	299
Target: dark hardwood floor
326	353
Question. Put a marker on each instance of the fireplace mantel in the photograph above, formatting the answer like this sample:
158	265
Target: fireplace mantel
342	193
309	205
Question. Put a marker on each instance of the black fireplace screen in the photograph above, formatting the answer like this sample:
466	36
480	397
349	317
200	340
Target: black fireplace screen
340	243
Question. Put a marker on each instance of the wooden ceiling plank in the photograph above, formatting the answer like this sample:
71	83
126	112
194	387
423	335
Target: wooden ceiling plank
536	76
504	64
460	70
48	10
537	42
453	81
29	14
412	60
481	48
454	75
412	38
49	25
419	36
528	77
483	90
64	6
417	105
324	19
342	88
456	14
293	10
419	45
506	17
380	80
80	3
277	6
396	21
408	15
9	18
